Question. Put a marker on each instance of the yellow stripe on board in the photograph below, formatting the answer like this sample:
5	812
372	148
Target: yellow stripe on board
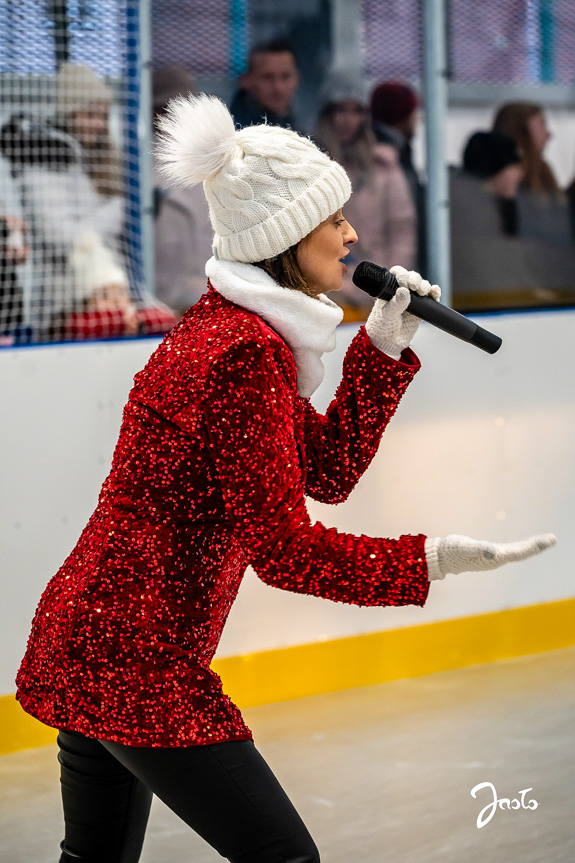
20	731
362	660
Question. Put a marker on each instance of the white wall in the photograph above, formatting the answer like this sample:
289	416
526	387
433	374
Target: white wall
481	444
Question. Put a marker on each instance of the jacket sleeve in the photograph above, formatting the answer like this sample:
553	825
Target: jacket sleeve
252	441
340	445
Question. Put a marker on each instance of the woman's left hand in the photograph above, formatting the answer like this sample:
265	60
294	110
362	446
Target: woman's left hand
456	553
390	326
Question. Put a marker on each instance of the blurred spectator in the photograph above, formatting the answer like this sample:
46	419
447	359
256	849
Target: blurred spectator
525	123
71	184
502	255
183	233
395	115
488	261
70	181
545	222
13	252
380	208
495	160
268	87
570	192
102	306
83	110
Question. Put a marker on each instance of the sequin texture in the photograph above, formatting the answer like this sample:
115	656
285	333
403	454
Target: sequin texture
215	456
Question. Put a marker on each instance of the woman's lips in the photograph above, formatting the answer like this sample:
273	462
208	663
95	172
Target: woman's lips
344	270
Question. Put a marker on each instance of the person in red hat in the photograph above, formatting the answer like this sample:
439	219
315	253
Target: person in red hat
394	114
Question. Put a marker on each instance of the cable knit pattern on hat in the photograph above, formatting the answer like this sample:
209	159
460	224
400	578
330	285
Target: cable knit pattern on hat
307	324
266	187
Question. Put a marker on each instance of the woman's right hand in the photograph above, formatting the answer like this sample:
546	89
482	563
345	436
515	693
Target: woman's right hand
114	300
390	326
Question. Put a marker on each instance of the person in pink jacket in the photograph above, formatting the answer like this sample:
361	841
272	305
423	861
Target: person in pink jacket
218	448
381	207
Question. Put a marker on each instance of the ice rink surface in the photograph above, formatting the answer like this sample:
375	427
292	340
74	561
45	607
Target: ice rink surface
383	773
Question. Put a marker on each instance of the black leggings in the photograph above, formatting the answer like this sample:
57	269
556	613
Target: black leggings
224	791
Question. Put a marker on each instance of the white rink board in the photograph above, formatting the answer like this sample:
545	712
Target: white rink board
483	445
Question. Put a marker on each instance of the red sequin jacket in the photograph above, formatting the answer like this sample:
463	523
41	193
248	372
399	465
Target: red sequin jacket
215	454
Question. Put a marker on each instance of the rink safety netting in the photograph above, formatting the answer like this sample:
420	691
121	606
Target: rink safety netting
74	189
491	42
70	170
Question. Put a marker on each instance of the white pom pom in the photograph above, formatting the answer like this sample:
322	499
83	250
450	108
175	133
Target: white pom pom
197	138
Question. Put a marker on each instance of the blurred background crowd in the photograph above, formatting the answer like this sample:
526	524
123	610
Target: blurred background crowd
82	204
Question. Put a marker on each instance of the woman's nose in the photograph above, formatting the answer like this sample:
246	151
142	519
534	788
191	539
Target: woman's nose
350	237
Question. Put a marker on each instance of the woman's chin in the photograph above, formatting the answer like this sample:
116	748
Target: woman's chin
337	281
333	282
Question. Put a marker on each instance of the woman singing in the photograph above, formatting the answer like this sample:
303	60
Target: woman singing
218	447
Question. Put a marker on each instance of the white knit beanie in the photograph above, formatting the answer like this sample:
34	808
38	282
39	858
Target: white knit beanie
266	187
78	87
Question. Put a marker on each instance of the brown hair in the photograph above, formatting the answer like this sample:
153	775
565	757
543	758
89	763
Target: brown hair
105	169
511	120
273	46
103	161
285	270
357	156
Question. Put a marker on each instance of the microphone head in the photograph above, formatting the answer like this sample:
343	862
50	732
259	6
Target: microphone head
375	280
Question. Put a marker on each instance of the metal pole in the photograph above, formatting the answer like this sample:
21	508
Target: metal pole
59	12
145	147
346	37
435	94
547	30
238	36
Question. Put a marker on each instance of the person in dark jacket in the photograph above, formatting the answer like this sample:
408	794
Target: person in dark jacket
484	216
395	114
268	87
495	160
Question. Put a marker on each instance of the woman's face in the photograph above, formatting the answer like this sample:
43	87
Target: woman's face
347	119
320	254
90	124
538	131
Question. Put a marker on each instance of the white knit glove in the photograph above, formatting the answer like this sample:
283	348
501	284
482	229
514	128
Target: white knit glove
456	553
389	326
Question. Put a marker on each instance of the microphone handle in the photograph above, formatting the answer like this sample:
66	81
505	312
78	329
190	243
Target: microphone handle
443	317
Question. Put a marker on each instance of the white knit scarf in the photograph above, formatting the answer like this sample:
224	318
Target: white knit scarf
307	324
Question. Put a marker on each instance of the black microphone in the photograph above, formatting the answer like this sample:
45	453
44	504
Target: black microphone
382	284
